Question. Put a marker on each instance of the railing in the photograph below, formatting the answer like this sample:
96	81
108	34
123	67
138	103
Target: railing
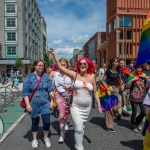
8	94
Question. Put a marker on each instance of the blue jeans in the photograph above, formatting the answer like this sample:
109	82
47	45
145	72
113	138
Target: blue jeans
45	120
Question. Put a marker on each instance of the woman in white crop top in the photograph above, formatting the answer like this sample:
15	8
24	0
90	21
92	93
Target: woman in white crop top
84	85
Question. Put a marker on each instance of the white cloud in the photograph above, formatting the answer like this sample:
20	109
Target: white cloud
80	39
66	31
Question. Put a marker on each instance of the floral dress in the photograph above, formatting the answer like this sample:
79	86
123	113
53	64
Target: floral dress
40	102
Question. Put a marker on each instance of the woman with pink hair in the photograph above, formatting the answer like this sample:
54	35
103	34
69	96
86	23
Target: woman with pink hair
83	86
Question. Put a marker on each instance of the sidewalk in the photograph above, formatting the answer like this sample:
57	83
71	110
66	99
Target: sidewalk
10	114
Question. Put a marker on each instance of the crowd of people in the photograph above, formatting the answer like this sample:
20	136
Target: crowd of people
16	77
72	91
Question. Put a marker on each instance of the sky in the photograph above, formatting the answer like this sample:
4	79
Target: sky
71	23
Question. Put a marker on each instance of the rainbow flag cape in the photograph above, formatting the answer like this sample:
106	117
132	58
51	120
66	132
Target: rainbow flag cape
133	74
144	48
107	102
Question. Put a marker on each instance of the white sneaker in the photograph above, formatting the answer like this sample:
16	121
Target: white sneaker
66	127
139	128
135	130
61	138
34	143
47	142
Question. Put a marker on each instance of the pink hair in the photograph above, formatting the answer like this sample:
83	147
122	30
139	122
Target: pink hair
91	69
55	67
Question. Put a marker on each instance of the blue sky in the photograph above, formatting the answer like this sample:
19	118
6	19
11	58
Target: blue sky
70	23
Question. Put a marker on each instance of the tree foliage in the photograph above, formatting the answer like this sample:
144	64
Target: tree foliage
48	61
19	63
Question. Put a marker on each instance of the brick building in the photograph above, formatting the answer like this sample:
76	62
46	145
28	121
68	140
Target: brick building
91	48
125	20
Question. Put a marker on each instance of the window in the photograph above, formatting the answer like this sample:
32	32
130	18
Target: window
130	49
11	50
129	35
109	27
125	21
11	8
11	22
114	24
25	52
11	36
121	35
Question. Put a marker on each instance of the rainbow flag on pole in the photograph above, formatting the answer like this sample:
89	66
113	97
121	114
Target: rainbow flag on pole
144	48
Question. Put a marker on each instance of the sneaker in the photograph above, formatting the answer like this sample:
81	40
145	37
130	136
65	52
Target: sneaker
34	143
111	130
66	127
139	128
61	138
47	142
135	130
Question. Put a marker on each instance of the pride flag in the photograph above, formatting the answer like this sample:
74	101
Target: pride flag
107	102
144	48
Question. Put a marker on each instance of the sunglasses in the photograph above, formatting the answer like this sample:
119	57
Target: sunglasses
83	64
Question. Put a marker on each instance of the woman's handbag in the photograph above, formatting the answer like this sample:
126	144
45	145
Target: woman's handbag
22	102
69	96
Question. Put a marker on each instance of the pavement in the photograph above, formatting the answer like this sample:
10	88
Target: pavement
96	137
17	134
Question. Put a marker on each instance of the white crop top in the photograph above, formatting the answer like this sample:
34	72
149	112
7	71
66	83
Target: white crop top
78	85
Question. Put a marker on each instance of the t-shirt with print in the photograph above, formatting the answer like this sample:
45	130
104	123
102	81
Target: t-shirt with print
138	90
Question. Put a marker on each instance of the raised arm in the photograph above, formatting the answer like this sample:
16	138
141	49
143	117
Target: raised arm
66	71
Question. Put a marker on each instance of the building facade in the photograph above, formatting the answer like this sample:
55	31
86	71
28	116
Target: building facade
80	54
43	35
91	48
21	33
125	20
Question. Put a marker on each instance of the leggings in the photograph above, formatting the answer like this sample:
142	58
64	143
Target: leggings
45	120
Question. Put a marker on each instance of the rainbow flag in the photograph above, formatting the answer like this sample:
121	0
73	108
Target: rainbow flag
144	48
134	74
107	102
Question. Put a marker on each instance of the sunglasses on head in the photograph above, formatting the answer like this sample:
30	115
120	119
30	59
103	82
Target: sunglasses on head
83	64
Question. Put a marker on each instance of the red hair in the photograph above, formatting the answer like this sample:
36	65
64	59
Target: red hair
91	69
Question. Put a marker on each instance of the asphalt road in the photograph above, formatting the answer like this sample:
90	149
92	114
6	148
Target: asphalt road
123	139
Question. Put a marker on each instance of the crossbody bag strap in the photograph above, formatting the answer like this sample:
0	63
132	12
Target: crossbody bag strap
36	87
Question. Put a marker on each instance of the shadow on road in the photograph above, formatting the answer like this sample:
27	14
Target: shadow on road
40	135
69	139
124	123
98	121
134	144
55	125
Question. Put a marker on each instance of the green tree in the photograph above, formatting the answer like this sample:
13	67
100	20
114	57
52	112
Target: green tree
18	63
51	62
48	61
